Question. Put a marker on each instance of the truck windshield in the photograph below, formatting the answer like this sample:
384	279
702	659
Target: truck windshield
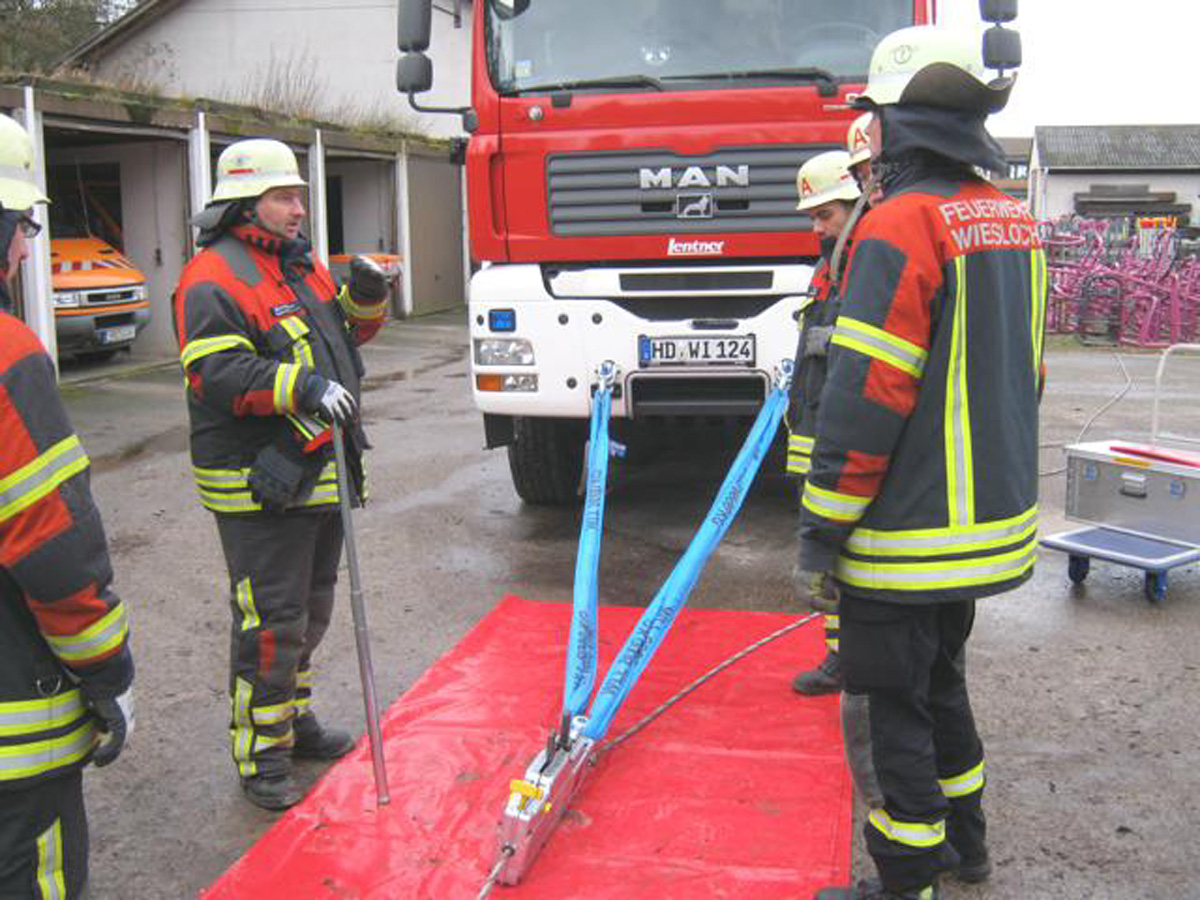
634	45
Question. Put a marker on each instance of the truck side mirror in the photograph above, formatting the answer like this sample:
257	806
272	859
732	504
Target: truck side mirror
509	9
413	23
997	10
1001	48
414	73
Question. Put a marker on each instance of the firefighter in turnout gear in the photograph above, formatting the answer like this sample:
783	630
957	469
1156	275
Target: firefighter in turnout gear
827	192
922	496
858	145
66	674
268	346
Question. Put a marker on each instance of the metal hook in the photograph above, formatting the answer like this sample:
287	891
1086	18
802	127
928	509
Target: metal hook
783	374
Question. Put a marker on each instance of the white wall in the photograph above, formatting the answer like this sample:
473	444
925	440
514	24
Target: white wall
341	53
1061	187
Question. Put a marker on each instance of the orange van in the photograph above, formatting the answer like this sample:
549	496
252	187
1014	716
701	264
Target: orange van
100	297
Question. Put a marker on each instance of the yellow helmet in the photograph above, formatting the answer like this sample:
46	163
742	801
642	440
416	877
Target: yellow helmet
248	169
857	143
18	188
931	66
826	177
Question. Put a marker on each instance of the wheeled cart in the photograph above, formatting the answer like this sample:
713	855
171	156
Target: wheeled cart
1141	502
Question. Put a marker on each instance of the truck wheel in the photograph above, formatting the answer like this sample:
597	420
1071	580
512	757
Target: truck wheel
546	460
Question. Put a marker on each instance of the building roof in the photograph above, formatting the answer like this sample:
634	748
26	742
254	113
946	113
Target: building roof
1118	146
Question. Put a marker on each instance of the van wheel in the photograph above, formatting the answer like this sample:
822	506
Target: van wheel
546	460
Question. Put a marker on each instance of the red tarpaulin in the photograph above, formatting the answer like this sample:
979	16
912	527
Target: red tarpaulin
739	791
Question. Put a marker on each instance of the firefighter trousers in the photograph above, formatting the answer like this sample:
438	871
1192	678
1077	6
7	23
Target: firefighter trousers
44	840
282	574
908	662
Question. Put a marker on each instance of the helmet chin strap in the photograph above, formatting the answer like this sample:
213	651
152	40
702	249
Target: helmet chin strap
835	261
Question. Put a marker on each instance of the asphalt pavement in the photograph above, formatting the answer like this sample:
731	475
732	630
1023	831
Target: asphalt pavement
1086	697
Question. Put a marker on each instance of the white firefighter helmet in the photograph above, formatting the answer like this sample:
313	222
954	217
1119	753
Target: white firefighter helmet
826	177
248	169
18	188
929	65
857	143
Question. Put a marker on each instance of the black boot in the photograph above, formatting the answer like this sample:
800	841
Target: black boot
874	890
826	678
316	742
273	792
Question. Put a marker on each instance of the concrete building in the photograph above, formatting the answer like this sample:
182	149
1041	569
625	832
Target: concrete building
1119	172
145	166
330	59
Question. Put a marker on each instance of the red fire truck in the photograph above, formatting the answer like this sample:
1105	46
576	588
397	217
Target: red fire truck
631	175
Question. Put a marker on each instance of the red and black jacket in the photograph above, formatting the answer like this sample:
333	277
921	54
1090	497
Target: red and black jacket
256	317
64	634
924	478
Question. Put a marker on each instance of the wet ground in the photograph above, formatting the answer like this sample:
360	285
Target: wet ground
1086	697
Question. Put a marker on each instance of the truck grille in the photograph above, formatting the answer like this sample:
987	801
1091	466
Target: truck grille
658	192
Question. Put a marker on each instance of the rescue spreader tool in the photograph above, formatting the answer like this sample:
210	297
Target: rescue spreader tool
358	610
538	800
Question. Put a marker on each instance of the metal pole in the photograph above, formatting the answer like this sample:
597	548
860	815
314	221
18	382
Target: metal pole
361	637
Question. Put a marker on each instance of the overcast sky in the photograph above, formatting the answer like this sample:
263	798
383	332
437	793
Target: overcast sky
1099	62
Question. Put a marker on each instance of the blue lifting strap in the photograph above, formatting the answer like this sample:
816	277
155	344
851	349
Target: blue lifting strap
652	627
580	676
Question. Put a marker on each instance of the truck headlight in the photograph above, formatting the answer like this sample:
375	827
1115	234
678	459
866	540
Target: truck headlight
503	352
68	298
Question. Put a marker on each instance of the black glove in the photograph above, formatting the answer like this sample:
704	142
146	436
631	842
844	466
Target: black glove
116	719
327	399
368	283
282	473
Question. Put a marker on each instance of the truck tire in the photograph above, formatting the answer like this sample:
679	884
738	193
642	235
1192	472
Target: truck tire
546	460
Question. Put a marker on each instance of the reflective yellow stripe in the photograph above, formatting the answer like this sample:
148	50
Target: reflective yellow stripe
304	679
244	597
881	345
242	732
39	757
945	574
960	482
1037	316
239	502
361	311
38	477
307	426
968	782
944	541
50	881
799	465
833	505
22	717
294	326
196	350
285	386
801	442
273	714
221	478
266	742
101	637
911	834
